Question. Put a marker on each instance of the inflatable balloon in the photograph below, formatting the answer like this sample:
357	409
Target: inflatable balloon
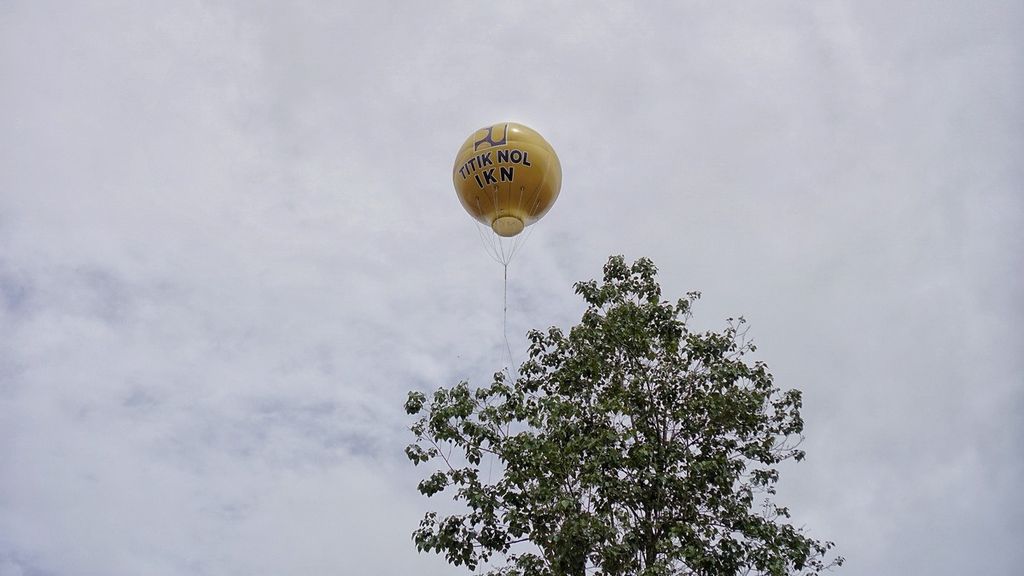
507	177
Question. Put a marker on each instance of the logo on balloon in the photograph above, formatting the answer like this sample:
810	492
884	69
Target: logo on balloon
489	139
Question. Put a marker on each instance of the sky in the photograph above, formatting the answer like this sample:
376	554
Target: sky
229	247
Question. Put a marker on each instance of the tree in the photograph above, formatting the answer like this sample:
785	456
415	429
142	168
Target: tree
629	446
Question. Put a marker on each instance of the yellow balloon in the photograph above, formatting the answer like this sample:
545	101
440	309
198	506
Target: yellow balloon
507	176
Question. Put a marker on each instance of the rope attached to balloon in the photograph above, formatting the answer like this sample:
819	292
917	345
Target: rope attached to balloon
496	250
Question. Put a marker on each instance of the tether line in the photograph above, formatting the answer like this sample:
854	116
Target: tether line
504	317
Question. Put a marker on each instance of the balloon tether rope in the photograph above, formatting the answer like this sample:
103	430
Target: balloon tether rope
495	247
504	318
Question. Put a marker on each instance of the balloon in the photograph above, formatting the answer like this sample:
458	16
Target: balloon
507	176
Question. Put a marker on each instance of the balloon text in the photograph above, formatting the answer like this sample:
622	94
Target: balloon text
502	172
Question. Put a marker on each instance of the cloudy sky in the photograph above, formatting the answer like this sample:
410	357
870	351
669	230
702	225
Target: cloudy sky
229	246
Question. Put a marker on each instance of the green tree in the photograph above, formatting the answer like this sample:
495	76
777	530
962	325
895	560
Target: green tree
629	446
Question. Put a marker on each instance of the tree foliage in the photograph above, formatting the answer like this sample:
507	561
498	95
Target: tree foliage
632	445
